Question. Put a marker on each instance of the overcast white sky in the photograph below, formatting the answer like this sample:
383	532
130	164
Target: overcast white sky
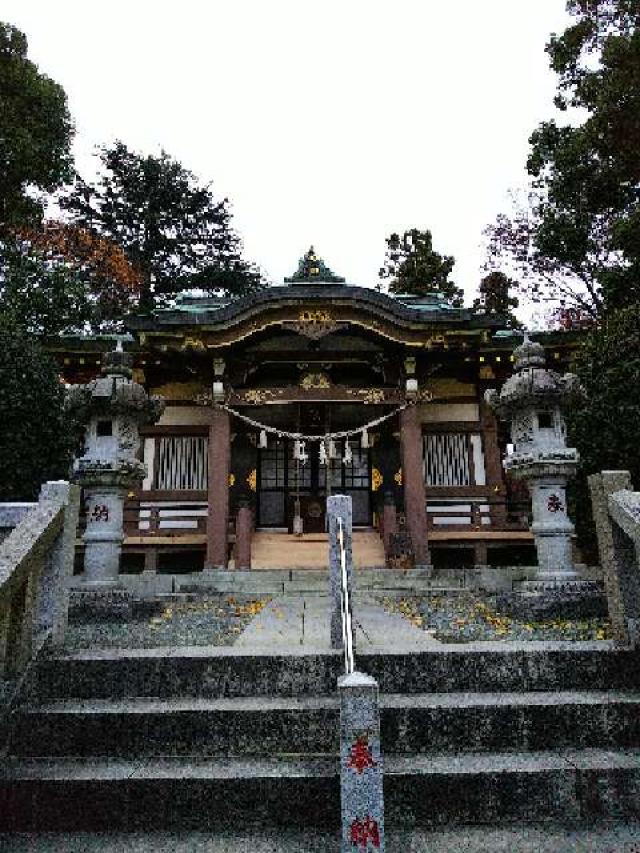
333	123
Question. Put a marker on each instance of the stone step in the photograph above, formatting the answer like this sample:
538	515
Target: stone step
314	580
446	723
216	672
427	790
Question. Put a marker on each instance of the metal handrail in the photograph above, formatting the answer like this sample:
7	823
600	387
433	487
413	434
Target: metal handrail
346	608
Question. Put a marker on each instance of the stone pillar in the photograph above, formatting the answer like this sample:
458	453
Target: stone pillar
361	791
219	468
104	535
601	486
493	465
389	521
551	527
244	530
415	501
339	507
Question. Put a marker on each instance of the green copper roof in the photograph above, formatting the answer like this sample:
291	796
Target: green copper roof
313	270
425	302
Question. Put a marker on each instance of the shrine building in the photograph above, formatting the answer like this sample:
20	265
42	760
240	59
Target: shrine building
276	400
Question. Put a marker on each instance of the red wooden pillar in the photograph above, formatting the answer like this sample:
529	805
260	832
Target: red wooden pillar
415	500
244	529
218	488
493	464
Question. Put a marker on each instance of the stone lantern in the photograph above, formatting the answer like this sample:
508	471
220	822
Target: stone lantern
533	401
113	407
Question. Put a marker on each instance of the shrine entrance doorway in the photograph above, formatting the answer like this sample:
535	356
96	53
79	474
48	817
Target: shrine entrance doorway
283	480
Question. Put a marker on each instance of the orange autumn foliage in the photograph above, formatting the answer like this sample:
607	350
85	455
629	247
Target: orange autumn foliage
82	249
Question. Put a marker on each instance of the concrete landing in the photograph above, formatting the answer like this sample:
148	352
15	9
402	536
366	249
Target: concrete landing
303	620
311	550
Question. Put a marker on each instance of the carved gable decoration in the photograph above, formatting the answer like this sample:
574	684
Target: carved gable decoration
316	380
314	324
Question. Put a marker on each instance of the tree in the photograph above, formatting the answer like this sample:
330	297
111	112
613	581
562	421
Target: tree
36	442
602	422
577	239
172	231
40	298
495	297
59	278
415	267
35	132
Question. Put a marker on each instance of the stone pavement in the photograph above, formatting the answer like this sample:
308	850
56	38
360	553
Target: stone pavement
303	620
606	838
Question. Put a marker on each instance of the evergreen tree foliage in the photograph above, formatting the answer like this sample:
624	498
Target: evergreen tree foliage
577	240
413	266
35	132
604	423
36	441
495	297
173	232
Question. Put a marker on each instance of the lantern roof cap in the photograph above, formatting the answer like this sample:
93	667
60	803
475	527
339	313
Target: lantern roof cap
529	354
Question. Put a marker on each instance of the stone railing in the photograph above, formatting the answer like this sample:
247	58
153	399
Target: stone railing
361	794
616	513
36	561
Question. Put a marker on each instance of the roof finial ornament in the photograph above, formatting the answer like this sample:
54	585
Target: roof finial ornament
313	270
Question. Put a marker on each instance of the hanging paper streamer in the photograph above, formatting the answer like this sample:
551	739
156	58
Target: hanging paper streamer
332	449
323	453
327	438
348	456
296	449
302	452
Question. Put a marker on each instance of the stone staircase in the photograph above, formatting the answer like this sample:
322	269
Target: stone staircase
213	738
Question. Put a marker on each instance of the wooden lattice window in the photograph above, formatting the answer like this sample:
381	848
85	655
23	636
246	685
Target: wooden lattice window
447	459
181	463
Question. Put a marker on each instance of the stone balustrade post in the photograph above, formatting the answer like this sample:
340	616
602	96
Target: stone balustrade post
618	556
339	507
57	571
361	793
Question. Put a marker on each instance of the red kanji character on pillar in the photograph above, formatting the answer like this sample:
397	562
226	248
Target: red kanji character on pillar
365	831
100	513
360	755
554	504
